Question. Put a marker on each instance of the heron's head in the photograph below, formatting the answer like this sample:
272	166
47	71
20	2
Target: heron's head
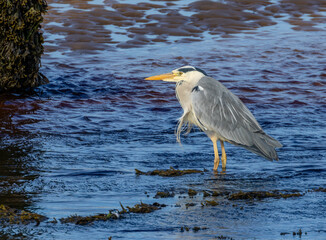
185	73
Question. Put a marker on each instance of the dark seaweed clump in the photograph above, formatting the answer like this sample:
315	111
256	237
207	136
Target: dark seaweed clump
164	195
79	220
15	216
262	195
21	44
192	192
169	172
299	233
210	203
320	189
213	194
194	229
145	208
138	208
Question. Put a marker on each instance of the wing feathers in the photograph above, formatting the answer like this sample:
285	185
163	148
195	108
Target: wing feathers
223	113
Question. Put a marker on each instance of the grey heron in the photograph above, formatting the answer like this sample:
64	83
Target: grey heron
209	105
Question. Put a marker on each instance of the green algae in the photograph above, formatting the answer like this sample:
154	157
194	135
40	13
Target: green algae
169	172
16	216
21	44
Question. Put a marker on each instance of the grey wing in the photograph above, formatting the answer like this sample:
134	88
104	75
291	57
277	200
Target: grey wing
221	112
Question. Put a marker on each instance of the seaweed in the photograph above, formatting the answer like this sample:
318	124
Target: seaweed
16	216
194	229
79	220
145	208
192	192
213	194
112	215
299	233
164	195
169	172
190	205
261	195
320	189
21	44
185	228
206	194
221	237
210	203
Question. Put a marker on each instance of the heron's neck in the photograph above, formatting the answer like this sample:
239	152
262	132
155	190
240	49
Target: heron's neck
183	92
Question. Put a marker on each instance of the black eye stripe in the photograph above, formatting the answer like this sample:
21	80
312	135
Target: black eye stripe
202	71
185	70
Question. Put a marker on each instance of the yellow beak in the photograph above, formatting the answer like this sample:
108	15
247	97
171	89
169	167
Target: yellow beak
164	77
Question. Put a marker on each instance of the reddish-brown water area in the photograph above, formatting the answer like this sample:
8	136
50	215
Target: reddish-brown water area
71	146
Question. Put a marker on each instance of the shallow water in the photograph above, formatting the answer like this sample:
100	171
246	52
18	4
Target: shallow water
71	147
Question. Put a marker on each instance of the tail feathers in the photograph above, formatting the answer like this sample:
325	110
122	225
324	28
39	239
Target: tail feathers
264	146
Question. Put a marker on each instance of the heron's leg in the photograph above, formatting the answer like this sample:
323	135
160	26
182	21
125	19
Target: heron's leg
217	158
223	155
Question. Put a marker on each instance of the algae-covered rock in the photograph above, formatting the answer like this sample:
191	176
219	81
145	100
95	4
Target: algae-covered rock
16	216
21	44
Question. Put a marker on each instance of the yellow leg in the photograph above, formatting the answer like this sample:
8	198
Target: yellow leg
223	156
217	158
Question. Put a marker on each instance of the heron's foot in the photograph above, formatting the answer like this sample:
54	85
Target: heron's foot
216	163
223	163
